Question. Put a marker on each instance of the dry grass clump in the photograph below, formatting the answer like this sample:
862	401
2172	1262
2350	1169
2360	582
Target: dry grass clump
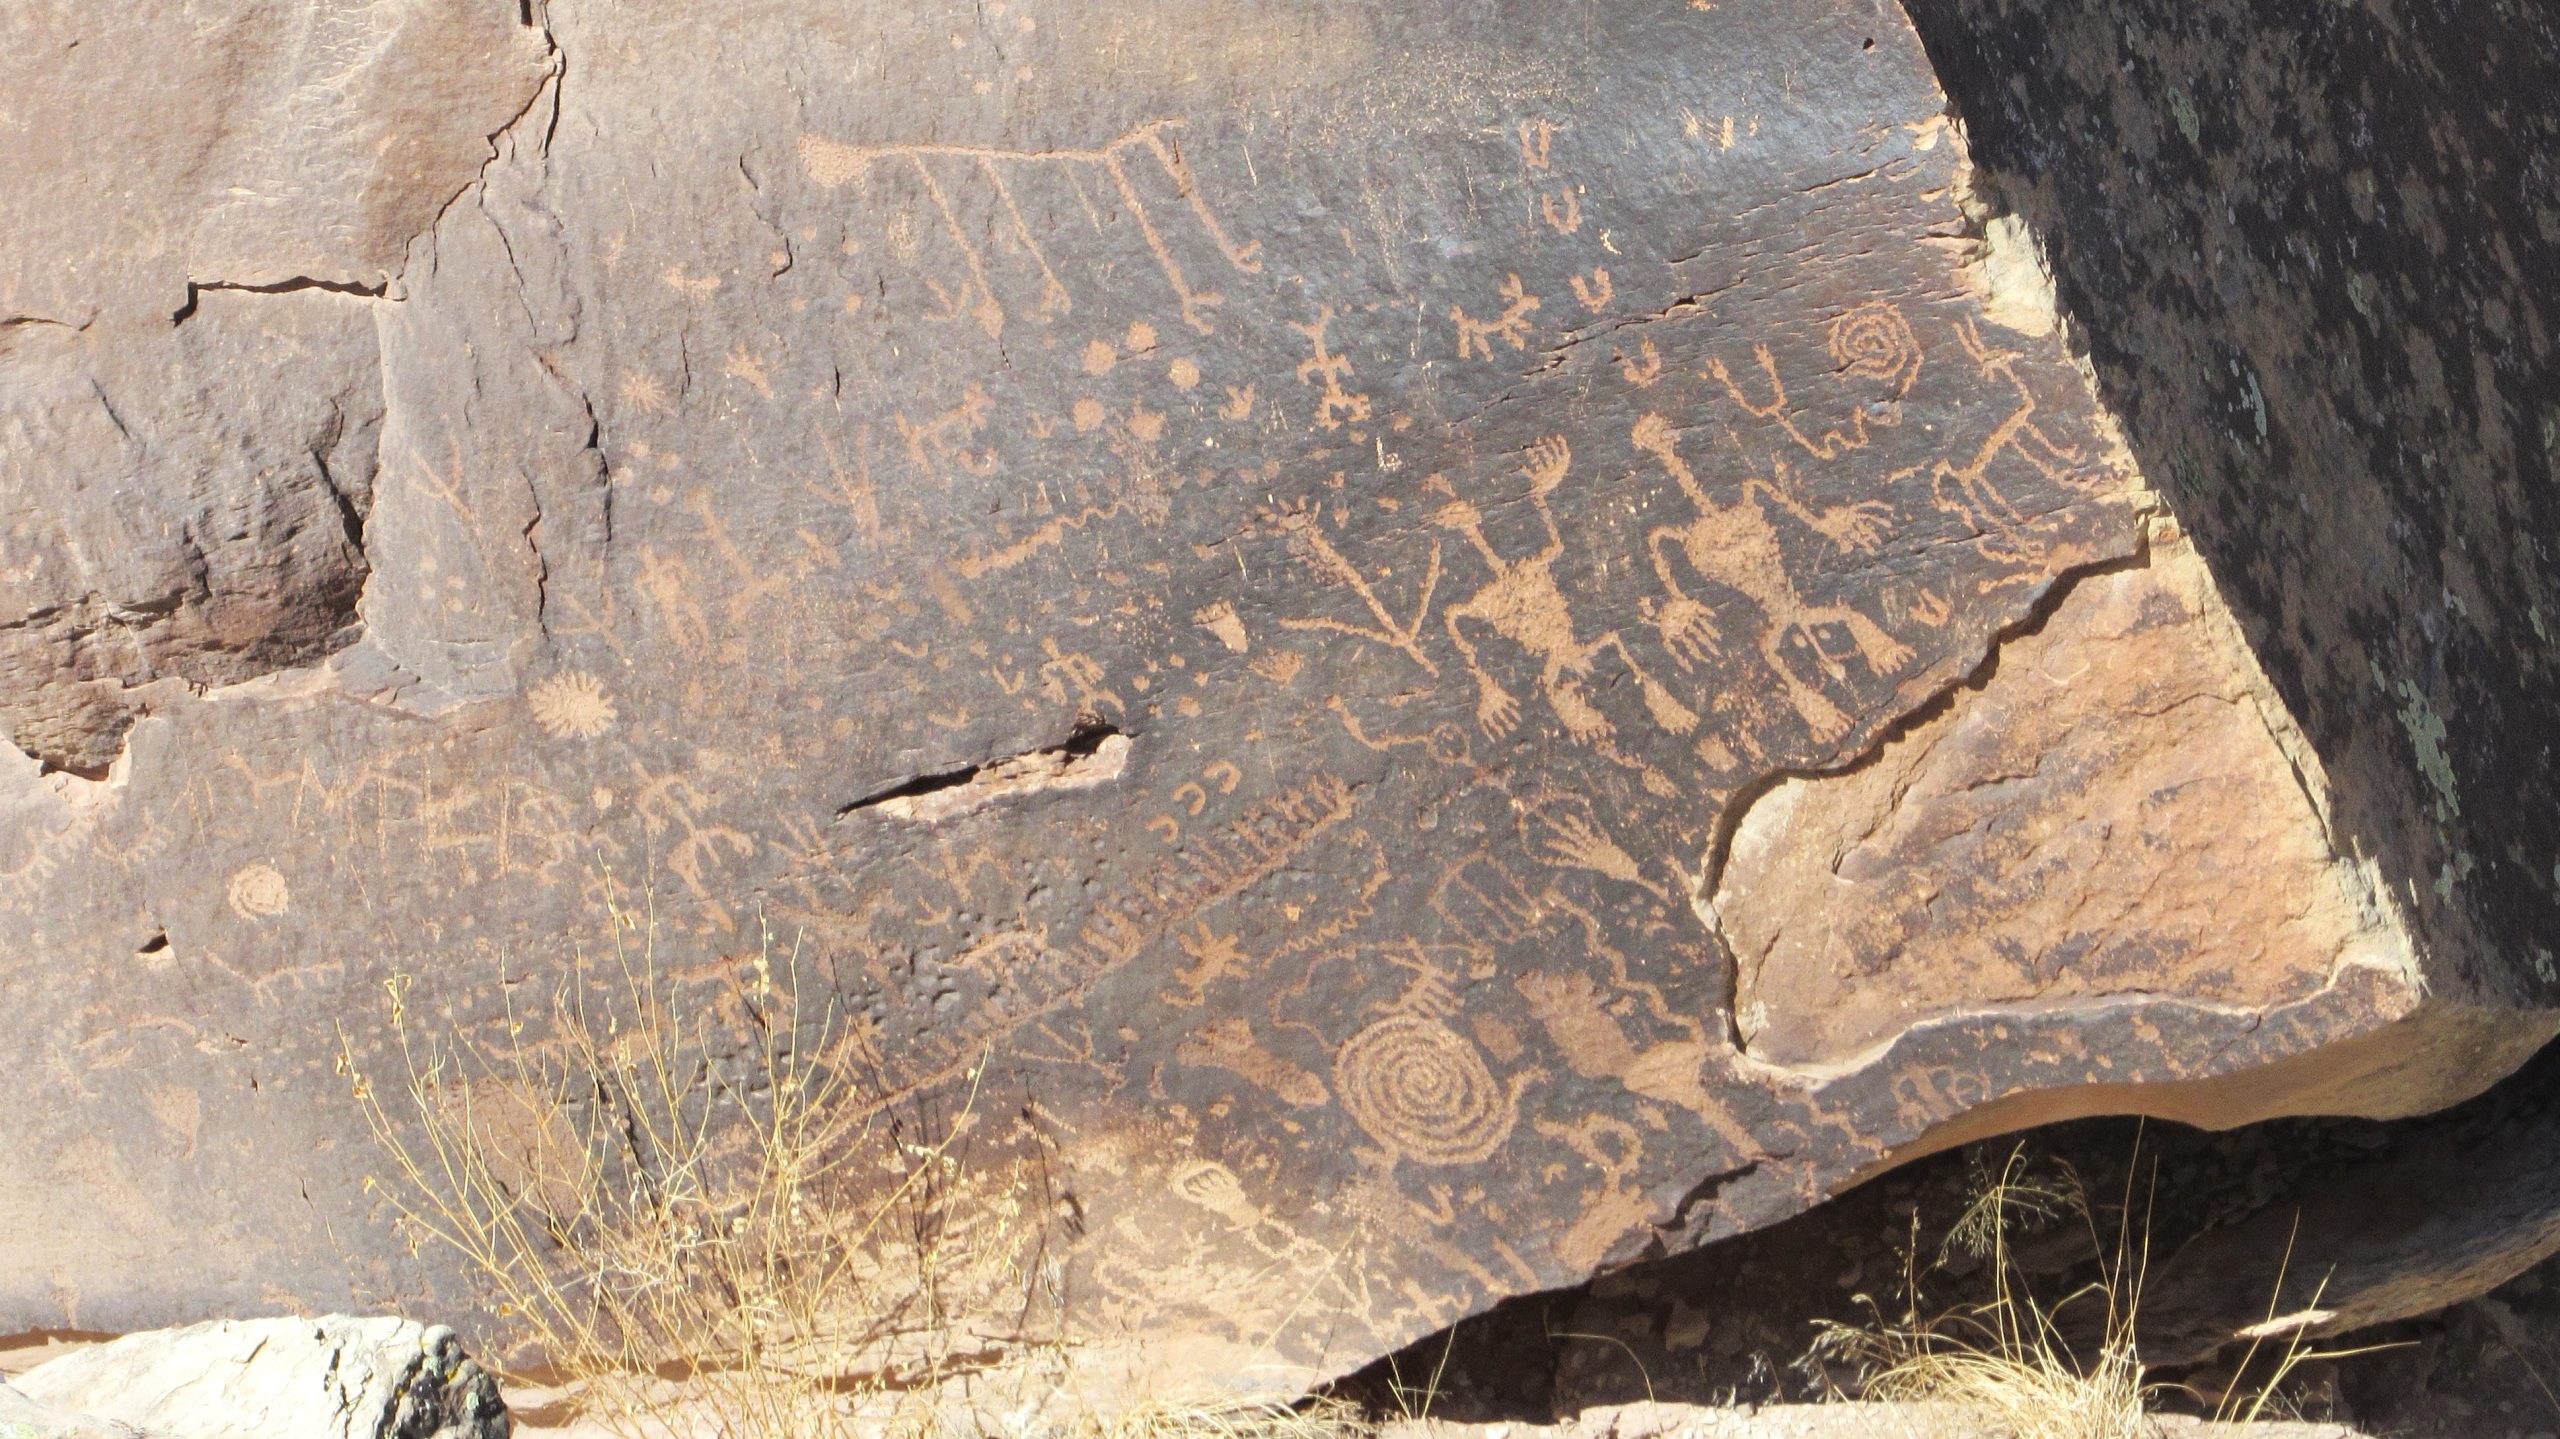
683	1207
2029	1369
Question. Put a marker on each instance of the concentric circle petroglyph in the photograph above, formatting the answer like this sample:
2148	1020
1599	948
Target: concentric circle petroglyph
1876	342
257	891
1423	1092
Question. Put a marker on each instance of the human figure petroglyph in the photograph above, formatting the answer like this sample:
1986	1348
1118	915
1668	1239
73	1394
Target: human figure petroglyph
1523	604
1214	956
1476	337
1737	546
1872	342
832	164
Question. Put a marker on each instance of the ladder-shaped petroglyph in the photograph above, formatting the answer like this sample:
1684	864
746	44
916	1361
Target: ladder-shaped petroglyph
1737	546
1523	604
942	170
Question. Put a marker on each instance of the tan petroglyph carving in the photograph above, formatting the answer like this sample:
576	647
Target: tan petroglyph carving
1214	956
258	891
1644	369
1422	1091
1230	1044
1872	341
1596	292
851	490
1976	499
1737	546
572	705
1303	527
1570	1006
1336	406
1537	143
1484	903
1565	831
1562	210
1476	337
832	165
1220	619
1611	1208
1524	604
945	437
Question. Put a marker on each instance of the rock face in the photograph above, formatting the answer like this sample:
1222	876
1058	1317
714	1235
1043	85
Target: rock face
1447	649
329	1378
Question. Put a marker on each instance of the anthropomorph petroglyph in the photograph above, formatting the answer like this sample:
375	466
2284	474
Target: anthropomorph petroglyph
1737	546
1523	604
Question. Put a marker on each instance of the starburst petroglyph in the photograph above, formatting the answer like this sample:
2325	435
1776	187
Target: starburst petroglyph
572	706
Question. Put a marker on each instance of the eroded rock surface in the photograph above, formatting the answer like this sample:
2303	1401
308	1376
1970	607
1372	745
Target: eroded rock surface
1224	571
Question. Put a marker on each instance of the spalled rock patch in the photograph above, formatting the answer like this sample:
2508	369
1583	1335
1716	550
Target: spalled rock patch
2113	811
186	505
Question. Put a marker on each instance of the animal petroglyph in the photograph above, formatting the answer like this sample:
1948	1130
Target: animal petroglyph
1967	490
1737	546
1230	1044
939	168
1573	1011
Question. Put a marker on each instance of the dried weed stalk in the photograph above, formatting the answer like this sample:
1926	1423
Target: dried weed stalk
2012	1363
690	1218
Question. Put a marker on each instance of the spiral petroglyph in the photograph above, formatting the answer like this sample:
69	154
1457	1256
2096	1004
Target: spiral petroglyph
1875	341
1423	1092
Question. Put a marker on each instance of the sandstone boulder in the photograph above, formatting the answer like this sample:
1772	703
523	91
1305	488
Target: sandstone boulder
24	1418
1424	651
330	1378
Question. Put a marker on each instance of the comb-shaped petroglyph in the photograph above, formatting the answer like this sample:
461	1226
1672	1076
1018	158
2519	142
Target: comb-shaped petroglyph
942	169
